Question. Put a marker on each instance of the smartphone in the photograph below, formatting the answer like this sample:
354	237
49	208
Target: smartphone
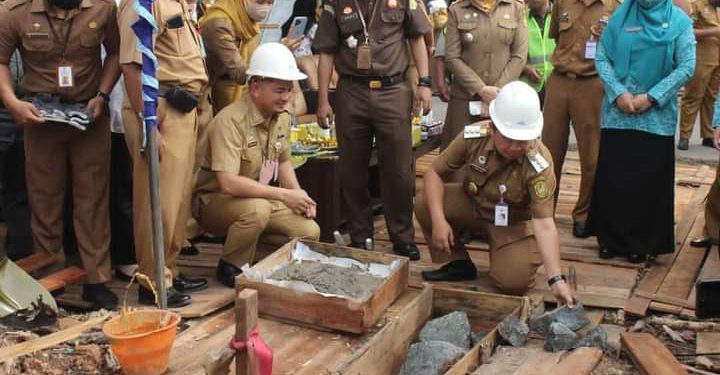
297	28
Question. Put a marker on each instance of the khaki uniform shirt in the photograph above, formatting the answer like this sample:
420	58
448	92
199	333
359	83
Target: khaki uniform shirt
223	51
24	25
706	16
240	140
394	22
529	194
485	47
177	46
571	28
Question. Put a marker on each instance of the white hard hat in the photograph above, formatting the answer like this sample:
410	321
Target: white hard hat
274	60
516	112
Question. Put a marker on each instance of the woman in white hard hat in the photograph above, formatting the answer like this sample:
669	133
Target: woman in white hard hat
247	185
507	194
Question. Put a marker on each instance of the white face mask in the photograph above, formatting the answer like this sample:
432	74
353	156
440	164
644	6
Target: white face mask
258	12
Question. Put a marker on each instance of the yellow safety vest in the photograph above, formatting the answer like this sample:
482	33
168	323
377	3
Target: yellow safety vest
540	49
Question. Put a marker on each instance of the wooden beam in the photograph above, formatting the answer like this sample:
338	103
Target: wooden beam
44	342
246	317
35	262
581	361
650	356
58	280
708	343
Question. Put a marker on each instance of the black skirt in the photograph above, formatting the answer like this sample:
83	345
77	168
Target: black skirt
632	207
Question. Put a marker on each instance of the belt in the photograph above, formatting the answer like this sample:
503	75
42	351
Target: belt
377	82
576	76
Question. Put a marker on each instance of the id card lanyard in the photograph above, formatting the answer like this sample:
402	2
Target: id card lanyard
364	58
269	170
64	71
501	209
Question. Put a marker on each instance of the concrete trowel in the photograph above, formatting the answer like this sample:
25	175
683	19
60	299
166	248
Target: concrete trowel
18	290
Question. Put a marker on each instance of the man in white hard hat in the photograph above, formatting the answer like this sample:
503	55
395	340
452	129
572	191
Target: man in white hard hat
507	194
247	185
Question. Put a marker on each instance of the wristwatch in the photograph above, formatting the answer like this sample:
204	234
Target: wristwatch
103	95
551	281
425	81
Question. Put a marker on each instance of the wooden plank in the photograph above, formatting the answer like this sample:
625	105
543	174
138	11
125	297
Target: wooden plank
708	343
682	275
321	311
246	317
44	342
580	362
650	356
652	280
35	262
60	279
538	364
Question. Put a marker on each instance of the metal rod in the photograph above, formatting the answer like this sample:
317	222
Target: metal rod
156	212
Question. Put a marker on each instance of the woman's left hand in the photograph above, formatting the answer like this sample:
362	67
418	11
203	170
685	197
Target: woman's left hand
563	294
641	103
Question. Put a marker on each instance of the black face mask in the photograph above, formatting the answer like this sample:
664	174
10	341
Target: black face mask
65	4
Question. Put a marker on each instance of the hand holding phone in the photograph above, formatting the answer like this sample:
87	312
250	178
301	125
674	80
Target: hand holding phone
297	28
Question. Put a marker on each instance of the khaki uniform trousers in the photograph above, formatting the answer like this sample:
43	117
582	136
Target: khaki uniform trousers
243	220
577	102
712	210
176	166
49	149
514	257
204	117
700	95
362	113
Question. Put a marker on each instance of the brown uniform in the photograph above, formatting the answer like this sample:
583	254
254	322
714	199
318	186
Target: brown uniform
700	92
28	26
470	206
226	65
241	139
179	63
374	102
483	47
574	92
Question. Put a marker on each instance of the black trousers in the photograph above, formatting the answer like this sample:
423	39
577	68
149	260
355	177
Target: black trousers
122	247
15	206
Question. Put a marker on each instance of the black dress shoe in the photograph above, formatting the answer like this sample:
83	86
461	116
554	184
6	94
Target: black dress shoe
457	270
708	142
580	230
184	284
636	258
190	250
606	253
100	296
409	250
175	299
683	144
700	242
226	273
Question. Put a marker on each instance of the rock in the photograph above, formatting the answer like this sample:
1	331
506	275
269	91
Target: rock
572	318
514	331
476	337
431	358
613	336
597	337
453	328
638	326
559	337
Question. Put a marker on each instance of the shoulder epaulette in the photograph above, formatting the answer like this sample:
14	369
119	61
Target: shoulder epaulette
475	130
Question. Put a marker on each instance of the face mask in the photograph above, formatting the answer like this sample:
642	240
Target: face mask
647	4
65	4
258	12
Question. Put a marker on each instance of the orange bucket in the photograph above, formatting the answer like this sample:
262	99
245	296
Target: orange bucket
142	340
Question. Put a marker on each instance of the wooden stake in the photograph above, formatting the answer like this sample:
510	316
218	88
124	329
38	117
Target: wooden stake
246	317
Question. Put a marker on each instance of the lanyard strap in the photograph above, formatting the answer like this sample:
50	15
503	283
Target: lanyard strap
56	37
362	19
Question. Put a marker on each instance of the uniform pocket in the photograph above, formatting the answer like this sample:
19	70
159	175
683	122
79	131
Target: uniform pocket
91	40
183	40
507	29
36	43
468	32
350	24
392	16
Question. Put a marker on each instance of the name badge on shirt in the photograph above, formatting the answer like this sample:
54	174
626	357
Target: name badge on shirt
502	210
590	49
65	76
